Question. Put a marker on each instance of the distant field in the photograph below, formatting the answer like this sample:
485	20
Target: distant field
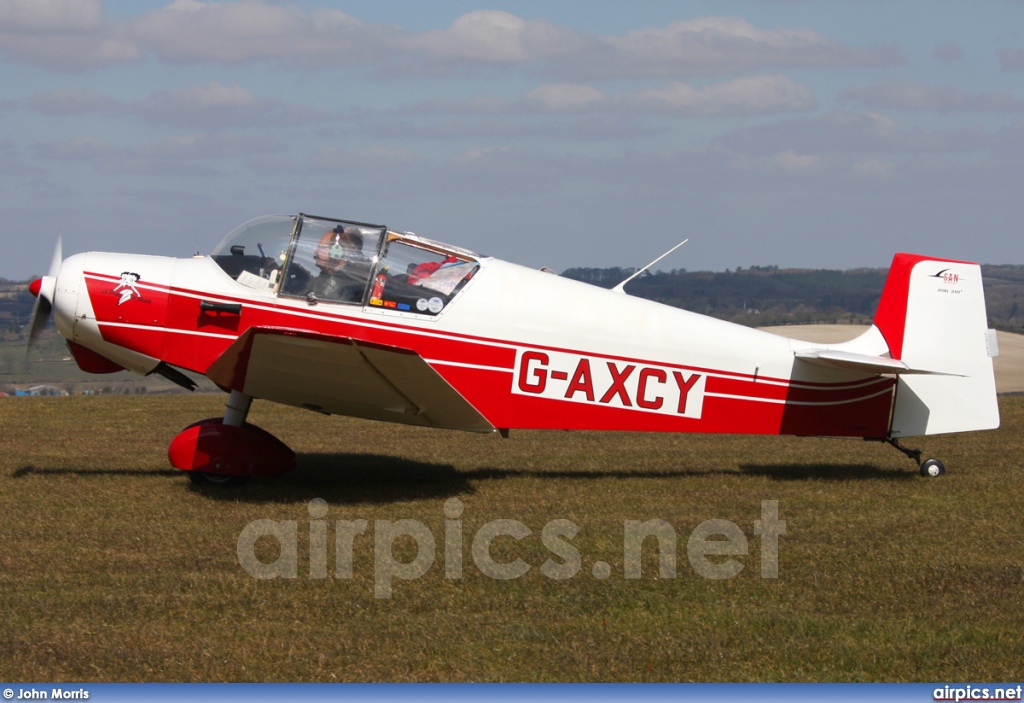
49	363
113	567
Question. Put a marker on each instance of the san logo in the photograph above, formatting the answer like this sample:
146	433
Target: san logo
948	276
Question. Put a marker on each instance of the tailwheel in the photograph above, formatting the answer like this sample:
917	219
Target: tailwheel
931	468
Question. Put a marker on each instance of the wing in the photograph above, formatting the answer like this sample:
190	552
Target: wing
343	376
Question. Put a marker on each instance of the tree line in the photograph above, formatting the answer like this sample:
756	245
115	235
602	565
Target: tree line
767	295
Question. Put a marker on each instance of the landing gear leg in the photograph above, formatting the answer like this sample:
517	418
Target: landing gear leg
929	468
235	413
237	409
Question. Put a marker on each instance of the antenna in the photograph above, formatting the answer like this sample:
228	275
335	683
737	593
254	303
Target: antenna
621	287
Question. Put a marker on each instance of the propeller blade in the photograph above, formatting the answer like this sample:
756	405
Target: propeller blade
40	316
56	260
44	290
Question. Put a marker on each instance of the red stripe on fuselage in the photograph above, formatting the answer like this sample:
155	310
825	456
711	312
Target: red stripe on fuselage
483	370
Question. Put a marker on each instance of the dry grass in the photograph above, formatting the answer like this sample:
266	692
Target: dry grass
113	567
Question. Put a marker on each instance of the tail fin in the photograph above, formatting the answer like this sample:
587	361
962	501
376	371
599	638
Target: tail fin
932	316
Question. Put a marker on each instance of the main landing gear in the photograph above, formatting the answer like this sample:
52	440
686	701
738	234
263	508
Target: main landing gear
226	451
929	468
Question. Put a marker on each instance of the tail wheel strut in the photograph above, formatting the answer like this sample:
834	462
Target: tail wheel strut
929	468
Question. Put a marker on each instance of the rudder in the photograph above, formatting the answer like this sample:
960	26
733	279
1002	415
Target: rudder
933	318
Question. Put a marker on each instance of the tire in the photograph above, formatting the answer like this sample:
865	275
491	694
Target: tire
930	468
203	478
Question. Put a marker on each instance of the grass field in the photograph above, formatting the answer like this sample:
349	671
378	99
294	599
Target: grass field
114	567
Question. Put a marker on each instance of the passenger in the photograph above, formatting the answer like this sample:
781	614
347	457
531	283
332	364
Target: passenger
344	269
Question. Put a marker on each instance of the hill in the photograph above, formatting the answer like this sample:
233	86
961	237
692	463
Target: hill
767	295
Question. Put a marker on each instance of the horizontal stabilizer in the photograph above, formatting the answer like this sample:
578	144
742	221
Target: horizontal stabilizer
860	362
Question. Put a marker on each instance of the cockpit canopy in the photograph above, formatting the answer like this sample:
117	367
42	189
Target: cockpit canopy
321	259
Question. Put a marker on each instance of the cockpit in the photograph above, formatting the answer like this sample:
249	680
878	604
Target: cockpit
320	259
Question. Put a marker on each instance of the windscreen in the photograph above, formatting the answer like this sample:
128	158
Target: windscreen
418	276
331	260
253	253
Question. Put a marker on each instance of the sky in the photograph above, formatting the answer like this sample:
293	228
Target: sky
802	133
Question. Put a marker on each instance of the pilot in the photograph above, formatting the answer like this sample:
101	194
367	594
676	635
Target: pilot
344	269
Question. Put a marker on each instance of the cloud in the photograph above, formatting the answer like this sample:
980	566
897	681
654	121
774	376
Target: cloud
578	129
748	95
211	106
75	36
495	37
948	51
930	98
72	53
177	155
12	164
851	134
50	15
714	45
791	161
1011	59
207	146
704	46
216	105
567	97
79	149
189	31
72	102
845	204
584	113
67	35
874	168
367	160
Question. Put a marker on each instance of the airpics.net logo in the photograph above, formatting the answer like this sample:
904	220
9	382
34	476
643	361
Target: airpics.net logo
714	548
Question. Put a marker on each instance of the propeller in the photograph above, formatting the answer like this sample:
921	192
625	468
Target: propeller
43	289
